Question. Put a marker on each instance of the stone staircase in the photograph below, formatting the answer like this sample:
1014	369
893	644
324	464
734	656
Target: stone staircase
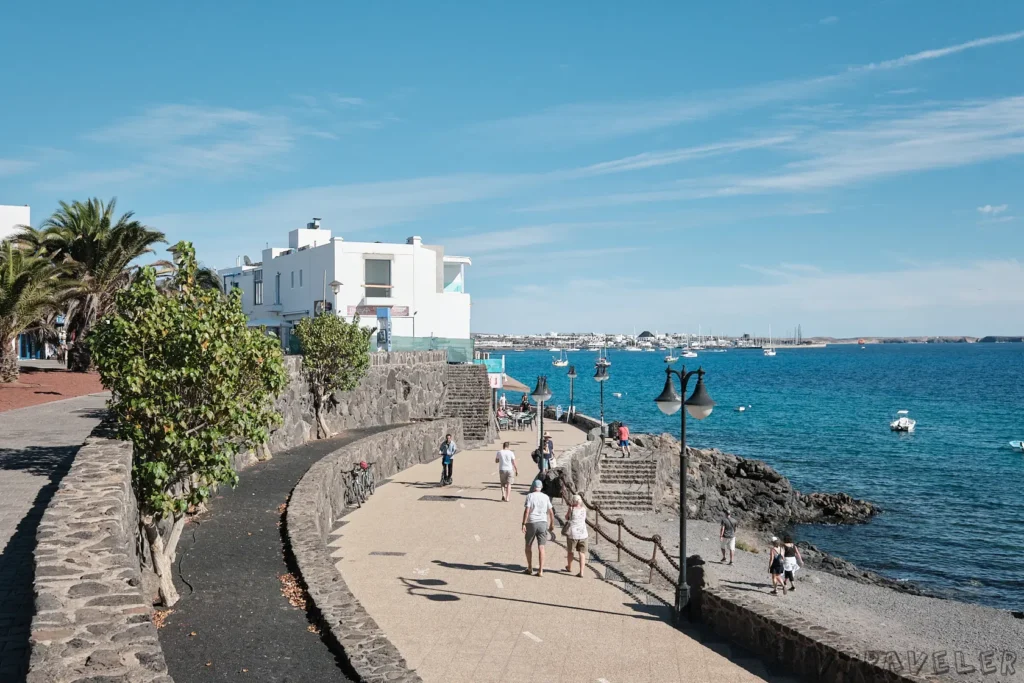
468	395
626	485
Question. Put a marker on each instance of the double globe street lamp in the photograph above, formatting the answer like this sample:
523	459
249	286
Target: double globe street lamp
699	406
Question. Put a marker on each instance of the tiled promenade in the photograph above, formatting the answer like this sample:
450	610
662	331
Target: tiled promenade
37	445
444	580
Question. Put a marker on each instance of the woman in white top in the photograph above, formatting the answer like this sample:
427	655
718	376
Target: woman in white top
576	533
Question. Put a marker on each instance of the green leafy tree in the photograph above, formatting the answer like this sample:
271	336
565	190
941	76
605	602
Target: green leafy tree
336	355
192	386
96	249
31	290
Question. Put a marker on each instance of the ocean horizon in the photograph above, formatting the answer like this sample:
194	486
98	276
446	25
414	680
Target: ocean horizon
952	519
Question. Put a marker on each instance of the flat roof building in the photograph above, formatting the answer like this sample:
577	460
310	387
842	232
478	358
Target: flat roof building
415	286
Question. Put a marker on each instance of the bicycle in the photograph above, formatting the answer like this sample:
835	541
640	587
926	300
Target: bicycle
361	484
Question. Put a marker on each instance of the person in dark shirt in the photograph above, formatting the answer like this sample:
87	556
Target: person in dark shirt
727	535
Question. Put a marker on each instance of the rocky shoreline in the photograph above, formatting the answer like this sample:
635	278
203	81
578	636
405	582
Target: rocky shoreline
761	499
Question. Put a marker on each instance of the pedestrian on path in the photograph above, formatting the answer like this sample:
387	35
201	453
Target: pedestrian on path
547	453
576	534
727	535
447	450
624	440
791	560
507	470
538	519
775	566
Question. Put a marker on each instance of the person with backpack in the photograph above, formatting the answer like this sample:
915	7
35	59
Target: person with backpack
776	566
447	451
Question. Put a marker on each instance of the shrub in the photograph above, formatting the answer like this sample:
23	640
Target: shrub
192	386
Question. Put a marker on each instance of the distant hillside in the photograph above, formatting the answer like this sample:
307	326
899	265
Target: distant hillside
995	340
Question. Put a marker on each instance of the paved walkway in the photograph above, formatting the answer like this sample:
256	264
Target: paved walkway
37	446
443	578
233	623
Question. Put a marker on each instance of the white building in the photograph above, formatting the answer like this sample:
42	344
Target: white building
422	289
11	217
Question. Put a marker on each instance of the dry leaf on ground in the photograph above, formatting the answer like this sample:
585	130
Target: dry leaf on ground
160	616
291	589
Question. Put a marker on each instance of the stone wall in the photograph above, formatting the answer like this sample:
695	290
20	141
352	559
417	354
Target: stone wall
810	651
92	621
399	387
316	503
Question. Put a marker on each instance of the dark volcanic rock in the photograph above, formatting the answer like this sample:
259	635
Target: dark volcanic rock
757	494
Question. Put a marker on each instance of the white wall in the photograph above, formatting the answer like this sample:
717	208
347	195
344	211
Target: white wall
11	217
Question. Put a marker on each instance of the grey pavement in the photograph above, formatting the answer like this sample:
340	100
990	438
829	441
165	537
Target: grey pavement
37	445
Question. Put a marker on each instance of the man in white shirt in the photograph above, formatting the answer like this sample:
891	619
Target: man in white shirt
538	518
507	470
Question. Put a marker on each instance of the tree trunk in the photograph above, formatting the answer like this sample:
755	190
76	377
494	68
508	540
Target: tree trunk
8	363
79	357
321	427
162	556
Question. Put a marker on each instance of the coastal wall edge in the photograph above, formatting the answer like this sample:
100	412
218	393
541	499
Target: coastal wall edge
92	620
317	502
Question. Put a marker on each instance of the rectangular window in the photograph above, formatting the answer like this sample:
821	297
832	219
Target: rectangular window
300	277
293	279
277	288
257	280
378	277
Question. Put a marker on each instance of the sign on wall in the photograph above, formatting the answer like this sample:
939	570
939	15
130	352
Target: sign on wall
396	311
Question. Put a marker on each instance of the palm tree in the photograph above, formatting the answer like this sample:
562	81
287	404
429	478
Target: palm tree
31	289
97	250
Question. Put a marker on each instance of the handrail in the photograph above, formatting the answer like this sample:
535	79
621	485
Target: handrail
651	562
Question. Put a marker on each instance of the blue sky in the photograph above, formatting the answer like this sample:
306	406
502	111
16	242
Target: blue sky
852	167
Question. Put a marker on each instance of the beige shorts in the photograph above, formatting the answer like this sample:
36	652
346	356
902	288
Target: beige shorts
729	543
576	544
507	477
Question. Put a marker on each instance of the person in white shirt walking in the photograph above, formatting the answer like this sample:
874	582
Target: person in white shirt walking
507	470
538	519
576	533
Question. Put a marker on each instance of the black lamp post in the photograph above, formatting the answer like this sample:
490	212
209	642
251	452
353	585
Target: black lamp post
601	376
699	406
572	380
541	394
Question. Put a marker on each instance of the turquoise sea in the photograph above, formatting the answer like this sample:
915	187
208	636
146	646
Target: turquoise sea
952	492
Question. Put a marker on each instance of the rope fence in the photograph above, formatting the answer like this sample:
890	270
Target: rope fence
651	562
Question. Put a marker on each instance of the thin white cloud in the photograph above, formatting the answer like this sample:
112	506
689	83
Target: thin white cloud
998	219
9	167
961	135
594	121
989	209
924	55
903	91
646	160
828	20
937	299
343	101
503	242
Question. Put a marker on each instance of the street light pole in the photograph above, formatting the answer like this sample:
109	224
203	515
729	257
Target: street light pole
572	380
541	394
699	405
601	376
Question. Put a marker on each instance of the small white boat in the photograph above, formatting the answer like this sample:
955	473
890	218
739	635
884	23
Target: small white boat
555	349
602	359
561	361
671	357
1017	445
770	349
902	423
741	409
617	394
